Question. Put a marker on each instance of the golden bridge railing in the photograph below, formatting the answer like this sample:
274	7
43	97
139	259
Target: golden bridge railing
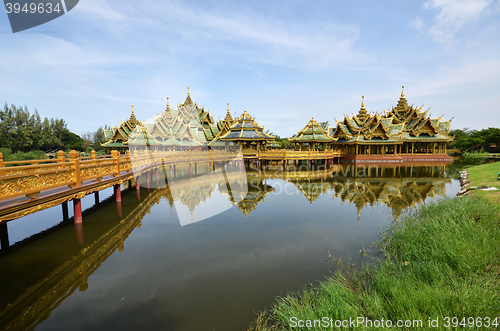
31	177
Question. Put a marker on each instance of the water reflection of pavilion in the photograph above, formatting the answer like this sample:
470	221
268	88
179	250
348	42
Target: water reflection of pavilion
398	187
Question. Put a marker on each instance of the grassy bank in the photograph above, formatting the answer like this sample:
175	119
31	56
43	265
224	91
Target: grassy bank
441	261
485	175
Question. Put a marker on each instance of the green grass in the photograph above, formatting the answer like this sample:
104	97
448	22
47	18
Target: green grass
485	175
442	260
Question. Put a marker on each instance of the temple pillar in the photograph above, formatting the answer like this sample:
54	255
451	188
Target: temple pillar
412	147
356	151
96	198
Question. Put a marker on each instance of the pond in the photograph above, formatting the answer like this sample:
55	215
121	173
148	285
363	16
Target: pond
204	252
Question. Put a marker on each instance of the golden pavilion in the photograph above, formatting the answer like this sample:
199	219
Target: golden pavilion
405	133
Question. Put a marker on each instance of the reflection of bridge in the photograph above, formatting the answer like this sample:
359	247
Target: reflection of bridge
26	310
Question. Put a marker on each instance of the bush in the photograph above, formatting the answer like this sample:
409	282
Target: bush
33	155
7	154
475	158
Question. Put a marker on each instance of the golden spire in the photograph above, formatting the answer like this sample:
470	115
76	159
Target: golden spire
403	92
363	103
188	99
132	116
168	106
228	118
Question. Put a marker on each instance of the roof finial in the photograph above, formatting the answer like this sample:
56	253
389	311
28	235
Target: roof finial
188	90
363	102
168	106
132	109
228	107
403	92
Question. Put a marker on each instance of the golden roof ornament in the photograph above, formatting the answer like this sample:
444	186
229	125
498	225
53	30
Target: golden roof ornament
228	115
188	101
132	116
363	109
168	106
403	92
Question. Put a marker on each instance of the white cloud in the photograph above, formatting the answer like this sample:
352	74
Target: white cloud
417	23
453	15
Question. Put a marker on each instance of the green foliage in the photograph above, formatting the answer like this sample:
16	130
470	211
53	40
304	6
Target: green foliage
7	153
324	125
475	158
442	260
22	131
468	139
94	139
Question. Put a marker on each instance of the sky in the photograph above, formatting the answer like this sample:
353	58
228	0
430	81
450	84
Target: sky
282	61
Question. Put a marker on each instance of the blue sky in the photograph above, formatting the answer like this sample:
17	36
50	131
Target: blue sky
283	61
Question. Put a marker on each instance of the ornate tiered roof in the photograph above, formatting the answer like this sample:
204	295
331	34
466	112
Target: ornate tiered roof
401	123
117	137
244	128
312	133
187	126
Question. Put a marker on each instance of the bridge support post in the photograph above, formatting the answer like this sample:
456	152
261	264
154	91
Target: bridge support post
77	207
65	211
4	236
96	198
118	193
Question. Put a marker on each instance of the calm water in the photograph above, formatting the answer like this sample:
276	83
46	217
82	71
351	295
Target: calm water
203	253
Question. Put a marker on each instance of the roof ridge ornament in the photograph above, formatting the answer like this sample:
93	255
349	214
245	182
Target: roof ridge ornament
362	110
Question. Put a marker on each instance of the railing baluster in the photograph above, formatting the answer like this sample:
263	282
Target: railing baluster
74	157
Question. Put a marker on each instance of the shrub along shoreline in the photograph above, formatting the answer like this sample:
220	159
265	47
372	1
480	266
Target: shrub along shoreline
442	260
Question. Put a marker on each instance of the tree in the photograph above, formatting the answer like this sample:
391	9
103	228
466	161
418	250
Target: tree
324	125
